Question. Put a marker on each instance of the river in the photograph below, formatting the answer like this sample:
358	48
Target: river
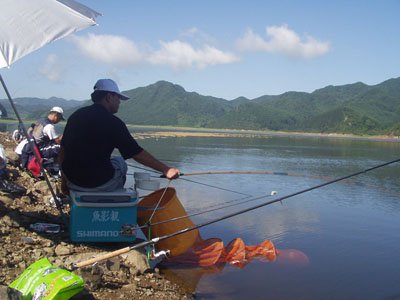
348	230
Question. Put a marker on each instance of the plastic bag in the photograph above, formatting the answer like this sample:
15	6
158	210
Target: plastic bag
44	281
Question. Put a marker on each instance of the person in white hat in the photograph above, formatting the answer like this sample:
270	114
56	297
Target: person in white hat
91	135
46	138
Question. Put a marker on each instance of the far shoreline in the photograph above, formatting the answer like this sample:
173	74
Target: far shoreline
172	131
176	131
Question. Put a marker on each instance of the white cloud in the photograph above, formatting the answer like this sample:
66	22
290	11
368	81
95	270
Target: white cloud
283	40
51	68
110	49
117	50
181	55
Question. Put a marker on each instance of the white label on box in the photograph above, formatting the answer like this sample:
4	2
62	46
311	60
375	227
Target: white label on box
96	233
105	216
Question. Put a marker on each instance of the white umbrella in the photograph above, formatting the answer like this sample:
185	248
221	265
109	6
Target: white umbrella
27	25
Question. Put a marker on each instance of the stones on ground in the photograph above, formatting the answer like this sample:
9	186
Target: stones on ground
123	277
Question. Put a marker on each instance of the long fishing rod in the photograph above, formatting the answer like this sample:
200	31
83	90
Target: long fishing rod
252	199
209	210
247	173
200	183
167	236
238	172
233	172
230	172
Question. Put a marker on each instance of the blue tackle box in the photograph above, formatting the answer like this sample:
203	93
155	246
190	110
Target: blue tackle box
103	216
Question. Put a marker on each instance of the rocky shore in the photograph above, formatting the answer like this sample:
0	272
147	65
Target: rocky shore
127	276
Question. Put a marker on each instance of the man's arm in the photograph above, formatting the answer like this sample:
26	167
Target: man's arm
50	131
145	158
58	139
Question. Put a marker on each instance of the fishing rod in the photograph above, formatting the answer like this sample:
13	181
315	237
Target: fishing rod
273	193
237	172
227	172
167	236
247	173
200	183
33	148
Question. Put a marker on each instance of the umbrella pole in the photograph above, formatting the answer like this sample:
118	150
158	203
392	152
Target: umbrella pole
32	146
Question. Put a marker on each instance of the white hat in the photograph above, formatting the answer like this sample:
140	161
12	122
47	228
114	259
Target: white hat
59	110
109	85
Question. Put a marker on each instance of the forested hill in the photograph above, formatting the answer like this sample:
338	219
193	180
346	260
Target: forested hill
34	108
354	108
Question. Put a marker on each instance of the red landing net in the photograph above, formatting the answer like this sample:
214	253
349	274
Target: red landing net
205	253
190	248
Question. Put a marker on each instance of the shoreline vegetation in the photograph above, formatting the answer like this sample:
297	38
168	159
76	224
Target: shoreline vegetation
171	131
160	131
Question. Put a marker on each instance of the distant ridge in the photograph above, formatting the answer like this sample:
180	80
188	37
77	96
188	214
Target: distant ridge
34	108
352	108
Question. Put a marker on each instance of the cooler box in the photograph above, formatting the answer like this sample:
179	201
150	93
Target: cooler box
103	216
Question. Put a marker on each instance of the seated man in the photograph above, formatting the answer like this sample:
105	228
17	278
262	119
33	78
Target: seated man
91	135
45	136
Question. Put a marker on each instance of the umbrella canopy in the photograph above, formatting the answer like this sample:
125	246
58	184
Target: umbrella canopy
27	25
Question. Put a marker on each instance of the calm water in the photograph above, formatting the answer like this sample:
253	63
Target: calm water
349	230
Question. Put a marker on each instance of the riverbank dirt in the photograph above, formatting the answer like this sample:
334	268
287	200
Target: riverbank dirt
127	276
254	133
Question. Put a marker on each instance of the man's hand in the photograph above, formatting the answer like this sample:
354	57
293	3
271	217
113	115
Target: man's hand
172	173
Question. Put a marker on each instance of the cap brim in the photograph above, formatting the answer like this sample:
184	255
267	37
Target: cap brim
123	97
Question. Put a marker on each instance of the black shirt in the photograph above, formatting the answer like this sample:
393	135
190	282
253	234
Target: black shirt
90	136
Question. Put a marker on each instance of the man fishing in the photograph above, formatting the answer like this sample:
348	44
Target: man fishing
91	135
46	137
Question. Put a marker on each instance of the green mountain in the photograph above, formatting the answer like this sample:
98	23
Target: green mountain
164	103
34	108
353	108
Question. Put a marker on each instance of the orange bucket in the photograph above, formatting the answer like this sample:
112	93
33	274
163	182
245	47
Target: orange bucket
170	207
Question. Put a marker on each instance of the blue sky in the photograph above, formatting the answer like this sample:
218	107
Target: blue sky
219	48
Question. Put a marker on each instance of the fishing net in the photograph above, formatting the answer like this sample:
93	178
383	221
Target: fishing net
212	251
189	247
164	205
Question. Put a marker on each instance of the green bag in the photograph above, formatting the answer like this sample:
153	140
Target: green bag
43	281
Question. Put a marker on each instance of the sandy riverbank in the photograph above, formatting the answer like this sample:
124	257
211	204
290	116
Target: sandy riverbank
155	132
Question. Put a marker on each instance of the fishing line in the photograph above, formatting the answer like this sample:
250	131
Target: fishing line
148	223
200	183
157	239
209	210
215	187
158	203
229	202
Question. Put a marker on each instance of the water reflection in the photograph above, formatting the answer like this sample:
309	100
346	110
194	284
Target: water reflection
190	255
